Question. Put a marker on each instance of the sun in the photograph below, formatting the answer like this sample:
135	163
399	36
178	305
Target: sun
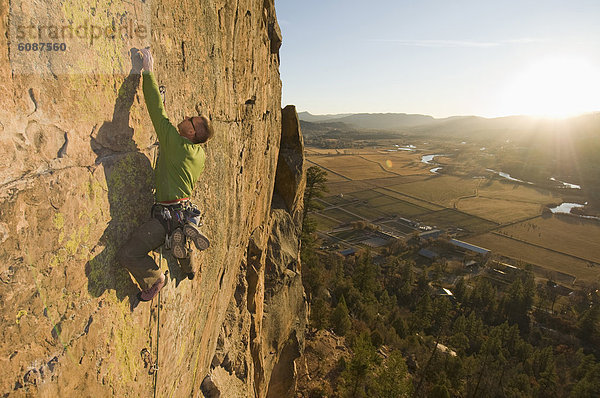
557	86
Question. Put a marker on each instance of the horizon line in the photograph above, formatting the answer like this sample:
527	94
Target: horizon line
585	113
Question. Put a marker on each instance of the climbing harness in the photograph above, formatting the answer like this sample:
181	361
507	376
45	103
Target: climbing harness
175	216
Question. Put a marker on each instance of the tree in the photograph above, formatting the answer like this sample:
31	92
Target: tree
439	391
365	275
402	279
441	312
340	318
589	385
544	370
483	300
391	378
354	379
547	294
518	301
460	289
319	314
315	188
474	330
588	323
313	275
422	316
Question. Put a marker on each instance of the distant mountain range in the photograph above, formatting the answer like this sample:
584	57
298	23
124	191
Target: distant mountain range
309	117
371	120
466	126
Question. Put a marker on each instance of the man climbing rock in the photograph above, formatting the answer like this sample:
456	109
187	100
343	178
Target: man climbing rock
174	218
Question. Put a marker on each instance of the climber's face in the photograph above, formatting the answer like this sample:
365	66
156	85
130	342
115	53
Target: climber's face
192	128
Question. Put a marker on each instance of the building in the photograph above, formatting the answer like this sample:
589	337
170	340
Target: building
433	234
430	254
469	247
347	252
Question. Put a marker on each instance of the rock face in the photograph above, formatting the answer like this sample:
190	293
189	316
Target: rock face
76	179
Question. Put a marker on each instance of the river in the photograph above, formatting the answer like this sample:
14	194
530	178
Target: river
508	176
428	159
566	184
565	208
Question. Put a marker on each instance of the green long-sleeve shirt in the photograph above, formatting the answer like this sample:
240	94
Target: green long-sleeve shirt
180	162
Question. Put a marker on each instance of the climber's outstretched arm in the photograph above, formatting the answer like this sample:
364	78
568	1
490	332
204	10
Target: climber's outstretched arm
154	103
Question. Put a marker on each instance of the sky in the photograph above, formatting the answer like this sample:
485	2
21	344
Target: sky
442	58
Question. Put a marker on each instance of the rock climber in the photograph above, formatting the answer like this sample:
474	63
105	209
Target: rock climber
174	219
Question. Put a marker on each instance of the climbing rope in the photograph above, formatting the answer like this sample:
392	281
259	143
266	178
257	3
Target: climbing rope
155	367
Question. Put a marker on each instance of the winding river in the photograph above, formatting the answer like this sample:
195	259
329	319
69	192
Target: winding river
566	184
508	176
428	159
565	208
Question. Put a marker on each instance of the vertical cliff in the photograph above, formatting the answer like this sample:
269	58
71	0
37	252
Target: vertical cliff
76	177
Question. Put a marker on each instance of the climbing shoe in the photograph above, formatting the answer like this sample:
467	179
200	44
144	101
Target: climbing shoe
147	295
178	244
200	241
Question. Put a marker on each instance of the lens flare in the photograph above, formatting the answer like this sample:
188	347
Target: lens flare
388	164
554	87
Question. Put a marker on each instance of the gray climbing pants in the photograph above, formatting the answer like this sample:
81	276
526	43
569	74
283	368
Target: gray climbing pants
134	256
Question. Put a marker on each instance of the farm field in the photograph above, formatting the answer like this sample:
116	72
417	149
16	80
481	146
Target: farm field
343	186
543	258
371	204
409	199
389	205
495	189
385	182
442	190
403	209
365	195
400	227
321	151
352	166
339	214
571	235
498	210
402	163
452	218
324	223
346	187
365	211
336	200
350	235
332	176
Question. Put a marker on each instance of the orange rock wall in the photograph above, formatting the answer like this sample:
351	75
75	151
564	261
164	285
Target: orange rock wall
76	157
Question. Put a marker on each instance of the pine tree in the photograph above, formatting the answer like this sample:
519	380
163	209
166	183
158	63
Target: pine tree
588	323
391	378
439	391
319	314
589	385
340	318
460	289
422	317
315	188
355	379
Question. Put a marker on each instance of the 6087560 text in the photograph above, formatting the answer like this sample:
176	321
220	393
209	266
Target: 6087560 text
49	46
